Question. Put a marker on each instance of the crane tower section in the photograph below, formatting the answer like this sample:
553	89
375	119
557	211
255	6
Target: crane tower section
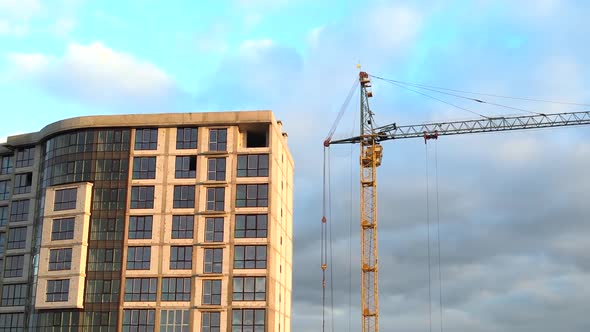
370	159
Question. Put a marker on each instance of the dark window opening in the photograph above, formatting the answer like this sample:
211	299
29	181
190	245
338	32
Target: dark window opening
256	136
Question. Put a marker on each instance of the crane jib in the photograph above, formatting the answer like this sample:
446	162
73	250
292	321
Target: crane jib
393	131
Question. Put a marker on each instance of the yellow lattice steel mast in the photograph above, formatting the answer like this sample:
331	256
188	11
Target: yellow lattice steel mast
369	160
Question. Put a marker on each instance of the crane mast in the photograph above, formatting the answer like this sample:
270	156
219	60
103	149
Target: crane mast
370	158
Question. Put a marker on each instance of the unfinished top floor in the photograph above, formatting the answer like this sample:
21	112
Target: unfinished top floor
256	129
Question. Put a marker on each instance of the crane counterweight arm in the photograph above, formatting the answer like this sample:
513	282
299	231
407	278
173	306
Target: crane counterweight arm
392	131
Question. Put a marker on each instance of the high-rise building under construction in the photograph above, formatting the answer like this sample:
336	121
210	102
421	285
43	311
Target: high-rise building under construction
151	222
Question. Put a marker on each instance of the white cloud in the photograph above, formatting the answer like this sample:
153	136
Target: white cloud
96	73
30	63
19	9
15	16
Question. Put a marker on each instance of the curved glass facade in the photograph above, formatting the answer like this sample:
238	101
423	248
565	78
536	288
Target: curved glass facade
100	156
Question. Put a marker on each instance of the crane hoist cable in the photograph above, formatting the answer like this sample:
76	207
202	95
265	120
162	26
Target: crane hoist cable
438	99
326	229
323	240
326	242
438	234
481	101
485	94
428	237
428	224
330	256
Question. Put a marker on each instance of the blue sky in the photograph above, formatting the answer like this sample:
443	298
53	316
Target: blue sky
513	213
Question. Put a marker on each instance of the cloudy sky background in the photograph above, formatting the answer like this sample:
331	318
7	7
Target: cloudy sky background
513	207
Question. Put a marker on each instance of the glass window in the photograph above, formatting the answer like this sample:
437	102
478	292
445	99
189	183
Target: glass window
251	226
14	322
181	257
211	321
111	140
13	295
250	257
60	259
140	227
186	138
22	183
109	198
183	227
146	139
19	210
24	157
244	320
62	229
101	259
106	229
109	169
176	289
186	167
249	289
218	139
211	292
135	320
142	197
214	229
184	197
213	262
14	266
65	199
215	199
17	238
216	169
141	289
2	243
99	291
252	195
174	320
4	190
58	290
3	215
138	258
100	321
7	165
144	167
252	165
58	320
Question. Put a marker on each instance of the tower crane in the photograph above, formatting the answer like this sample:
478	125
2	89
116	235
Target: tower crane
371	153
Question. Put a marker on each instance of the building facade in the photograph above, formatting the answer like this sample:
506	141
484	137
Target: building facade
153	222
